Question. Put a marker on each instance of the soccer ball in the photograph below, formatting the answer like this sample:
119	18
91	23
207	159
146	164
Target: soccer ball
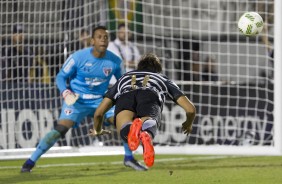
250	24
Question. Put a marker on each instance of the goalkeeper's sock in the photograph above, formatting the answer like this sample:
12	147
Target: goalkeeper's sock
30	162
45	144
128	153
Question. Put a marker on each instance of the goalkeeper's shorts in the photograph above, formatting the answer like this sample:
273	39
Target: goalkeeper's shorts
77	112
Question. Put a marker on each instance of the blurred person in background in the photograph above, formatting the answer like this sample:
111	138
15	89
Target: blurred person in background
209	72
124	48
268	17
39	72
196	66
17	58
84	39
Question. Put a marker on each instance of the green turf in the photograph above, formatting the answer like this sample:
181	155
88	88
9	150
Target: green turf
169	169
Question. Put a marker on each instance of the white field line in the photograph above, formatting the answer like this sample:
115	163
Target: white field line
116	162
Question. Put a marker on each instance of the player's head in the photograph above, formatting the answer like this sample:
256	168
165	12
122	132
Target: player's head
123	32
150	62
100	38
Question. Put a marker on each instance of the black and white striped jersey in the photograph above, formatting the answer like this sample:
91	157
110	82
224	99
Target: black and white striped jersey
144	80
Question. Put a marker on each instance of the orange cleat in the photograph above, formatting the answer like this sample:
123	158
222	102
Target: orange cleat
134	133
148	149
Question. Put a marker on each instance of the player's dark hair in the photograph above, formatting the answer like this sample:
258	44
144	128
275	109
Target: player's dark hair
97	28
150	62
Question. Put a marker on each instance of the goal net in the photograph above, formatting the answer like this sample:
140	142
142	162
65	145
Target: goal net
230	78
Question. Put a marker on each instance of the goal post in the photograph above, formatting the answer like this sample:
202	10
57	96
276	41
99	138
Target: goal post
231	79
278	76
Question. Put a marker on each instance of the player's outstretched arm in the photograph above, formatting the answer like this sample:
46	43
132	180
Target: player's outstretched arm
104	106
190	110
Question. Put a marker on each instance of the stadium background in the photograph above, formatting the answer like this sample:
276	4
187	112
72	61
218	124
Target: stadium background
235	110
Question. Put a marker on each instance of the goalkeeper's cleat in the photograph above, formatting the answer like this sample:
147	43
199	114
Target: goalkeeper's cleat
148	149
134	133
134	164
27	166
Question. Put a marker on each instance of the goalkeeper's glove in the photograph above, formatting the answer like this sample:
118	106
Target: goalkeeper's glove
69	97
187	125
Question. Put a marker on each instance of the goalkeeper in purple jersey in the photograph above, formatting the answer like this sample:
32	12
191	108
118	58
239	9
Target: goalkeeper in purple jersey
139	97
88	71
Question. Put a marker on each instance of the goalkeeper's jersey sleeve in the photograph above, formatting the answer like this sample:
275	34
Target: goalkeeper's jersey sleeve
157	83
89	76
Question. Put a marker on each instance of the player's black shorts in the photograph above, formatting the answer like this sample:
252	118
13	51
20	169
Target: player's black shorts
142	102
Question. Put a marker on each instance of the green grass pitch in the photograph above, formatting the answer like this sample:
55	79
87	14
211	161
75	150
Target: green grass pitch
171	169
